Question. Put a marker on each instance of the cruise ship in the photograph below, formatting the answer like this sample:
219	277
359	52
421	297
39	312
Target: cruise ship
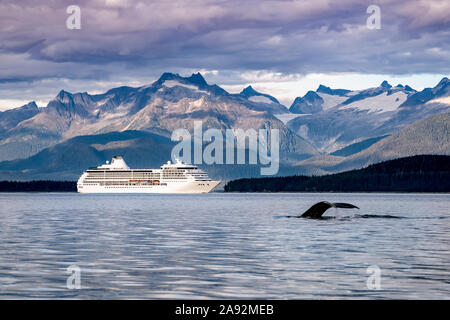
117	177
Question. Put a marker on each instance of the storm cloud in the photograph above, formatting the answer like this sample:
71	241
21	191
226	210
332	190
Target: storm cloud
133	41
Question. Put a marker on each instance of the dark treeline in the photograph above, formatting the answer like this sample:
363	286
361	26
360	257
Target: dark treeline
425	173
38	186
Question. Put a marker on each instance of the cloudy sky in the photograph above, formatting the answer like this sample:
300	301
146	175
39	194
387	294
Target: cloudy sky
284	48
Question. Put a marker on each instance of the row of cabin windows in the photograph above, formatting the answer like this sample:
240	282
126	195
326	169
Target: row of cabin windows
124	174
162	184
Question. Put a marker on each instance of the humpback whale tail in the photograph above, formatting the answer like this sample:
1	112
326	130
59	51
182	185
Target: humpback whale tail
317	210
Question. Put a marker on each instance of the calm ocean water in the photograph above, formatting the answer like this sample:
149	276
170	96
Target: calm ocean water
223	246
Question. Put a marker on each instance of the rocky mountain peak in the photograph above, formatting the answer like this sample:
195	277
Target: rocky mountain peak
324	89
168	76
311	95
198	79
385	84
64	96
249	91
328	90
195	79
30	105
310	103
444	82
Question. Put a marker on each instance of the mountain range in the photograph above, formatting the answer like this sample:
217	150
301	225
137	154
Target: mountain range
326	130
338	118
429	136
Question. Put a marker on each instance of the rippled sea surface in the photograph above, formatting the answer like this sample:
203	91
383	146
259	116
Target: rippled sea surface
223	246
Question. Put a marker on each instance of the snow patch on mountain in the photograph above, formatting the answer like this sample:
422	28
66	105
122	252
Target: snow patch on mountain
303	131
330	101
175	83
260	99
286	117
380	103
443	100
103	101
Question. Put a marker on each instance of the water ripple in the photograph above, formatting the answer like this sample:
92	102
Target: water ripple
223	246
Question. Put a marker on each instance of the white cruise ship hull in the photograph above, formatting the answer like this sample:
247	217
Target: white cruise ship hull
172	187
117	177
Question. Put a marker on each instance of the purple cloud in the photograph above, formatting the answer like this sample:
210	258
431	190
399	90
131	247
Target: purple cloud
140	38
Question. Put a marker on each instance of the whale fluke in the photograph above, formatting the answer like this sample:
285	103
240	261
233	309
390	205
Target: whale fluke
317	210
344	205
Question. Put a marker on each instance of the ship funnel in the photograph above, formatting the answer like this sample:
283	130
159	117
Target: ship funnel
118	163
